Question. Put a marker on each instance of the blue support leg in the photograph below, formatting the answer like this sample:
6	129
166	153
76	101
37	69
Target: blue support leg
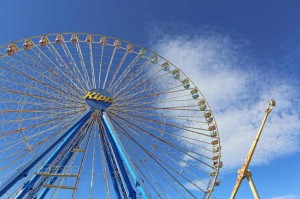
123	158
118	161
113	172
66	137
61	163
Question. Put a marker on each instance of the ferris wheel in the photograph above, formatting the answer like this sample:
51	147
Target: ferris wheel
92	116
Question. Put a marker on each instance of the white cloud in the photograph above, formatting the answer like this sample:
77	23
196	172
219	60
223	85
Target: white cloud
238	94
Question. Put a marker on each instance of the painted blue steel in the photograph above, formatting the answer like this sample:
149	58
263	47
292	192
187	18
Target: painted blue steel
46	190
23	171
66	157
110	167
116	152
69	135
116	141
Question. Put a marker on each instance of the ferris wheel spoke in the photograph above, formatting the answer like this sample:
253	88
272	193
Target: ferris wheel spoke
32	67
161	163
165	100
100	66
133	76
104	162
122	129
52	121
117	69
79	78
184	139
10	145
89	132
45	98
172	145
42	93
93	165
56	67
124	74
128	114
182	149
154	114
62	62
145	178
25	151
158	94
39	81
17	72
58	164
135	80
148	107
109	66
92	65
83	66
147	91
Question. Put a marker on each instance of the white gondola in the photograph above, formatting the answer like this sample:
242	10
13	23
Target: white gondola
186	83
176	74
215	142
194	93
89	39
142	53
117	44
165	66
129	48
218	165
217	183
44	41
207	115
27	45
216	149
203	107
59	39
213	134
9	52
103	41
216	157
201	102
212	128
209	190
154	59
12	48
147	92
209	120
74	39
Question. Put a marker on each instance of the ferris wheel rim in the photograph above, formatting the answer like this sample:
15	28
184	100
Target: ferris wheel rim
99	35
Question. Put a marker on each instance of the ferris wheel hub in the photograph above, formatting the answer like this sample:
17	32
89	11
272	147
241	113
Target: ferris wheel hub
99	99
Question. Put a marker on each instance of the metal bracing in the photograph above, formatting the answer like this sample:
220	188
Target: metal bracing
118	161
66	137
160	141
244	172
58	167
23	171
110	166
122	152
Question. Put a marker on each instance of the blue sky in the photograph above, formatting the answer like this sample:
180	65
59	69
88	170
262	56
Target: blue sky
238	53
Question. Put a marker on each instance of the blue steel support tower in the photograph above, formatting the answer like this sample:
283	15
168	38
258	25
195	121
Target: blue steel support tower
124	176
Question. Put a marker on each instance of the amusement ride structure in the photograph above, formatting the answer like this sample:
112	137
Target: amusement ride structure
91	116
244	172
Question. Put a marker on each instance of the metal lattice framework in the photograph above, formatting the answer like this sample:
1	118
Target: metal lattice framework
158	139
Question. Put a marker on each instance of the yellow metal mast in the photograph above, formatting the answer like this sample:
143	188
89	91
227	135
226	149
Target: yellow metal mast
244	172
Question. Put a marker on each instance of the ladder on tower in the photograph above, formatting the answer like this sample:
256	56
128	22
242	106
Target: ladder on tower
63	173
